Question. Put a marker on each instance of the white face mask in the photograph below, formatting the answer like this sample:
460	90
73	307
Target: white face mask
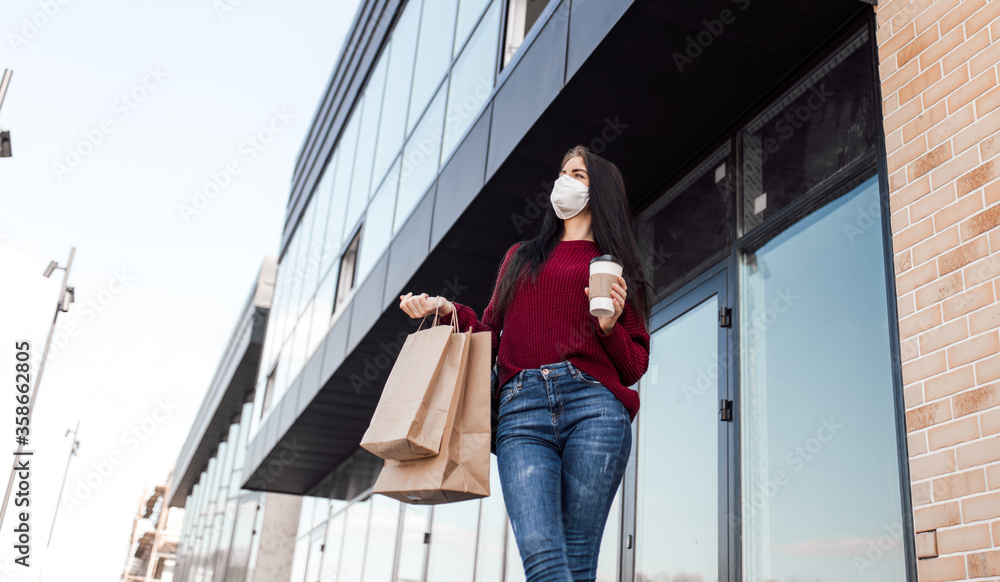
569	196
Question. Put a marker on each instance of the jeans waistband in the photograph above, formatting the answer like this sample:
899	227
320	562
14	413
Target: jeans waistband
549	370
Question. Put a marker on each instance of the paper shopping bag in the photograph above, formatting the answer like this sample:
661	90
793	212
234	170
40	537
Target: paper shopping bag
409	421
461	470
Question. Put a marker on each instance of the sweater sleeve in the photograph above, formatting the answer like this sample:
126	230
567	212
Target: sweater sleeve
467	317
628	346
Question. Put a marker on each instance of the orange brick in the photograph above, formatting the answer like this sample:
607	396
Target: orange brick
992	476
930	15
953	168
916	444
984	60
992	191
989	422
984	564
981	507
964	52
953	124
964	208
977	248
916	277
942	336
920	83
902	261
963	538
886	68
948	384
913	395
931	465
894	140
920	322
913	235
892	44
981	18
971	300
905	305
959	14
973	349
953	433
981	222
936	517
979	176
990	147
988	369
975	400
923	121
906	154
915	47
899	199
979	453
897	180
942	568
971	90
985	319
940	48
926	163
903	75
984	128
945	87
927	415
935	245
923	367
940	289
930	204
903	115
982	270
926	544
959	485
989	100
909	349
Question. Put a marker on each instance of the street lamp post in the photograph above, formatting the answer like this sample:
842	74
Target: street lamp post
65	297
72	451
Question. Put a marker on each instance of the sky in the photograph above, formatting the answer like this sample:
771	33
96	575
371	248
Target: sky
159	140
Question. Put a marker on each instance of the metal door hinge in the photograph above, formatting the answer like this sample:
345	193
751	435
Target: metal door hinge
725	409
725	317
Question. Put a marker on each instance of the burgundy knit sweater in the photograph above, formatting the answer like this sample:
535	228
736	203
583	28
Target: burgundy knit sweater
550	321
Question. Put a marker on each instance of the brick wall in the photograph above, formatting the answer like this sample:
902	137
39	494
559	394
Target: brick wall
941	100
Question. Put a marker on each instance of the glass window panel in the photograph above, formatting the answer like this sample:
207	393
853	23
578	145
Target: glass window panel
377	232
453	541
294	289
820	464
469	12
437	29
280	305
305	250
241	451
319	244
361	181
345	202
521	18
255	542
322	310
246	513
226	538
688	347
315	557
281	383
684	230
397	89
492	523
471	82
351	559
800	144
305	515
335	216
331	555
299	347
299	560
607	557
420	160
382	539
515	566
413	550
321	510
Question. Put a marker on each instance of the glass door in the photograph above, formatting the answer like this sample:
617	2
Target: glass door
678	529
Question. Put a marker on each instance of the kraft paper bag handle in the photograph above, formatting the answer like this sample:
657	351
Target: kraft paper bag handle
454	320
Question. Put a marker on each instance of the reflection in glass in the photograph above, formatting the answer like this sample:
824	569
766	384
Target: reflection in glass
304	251
382	539
365	153
684	230
331	555
453	541
413	550
492	523
378	224
437	28
420	160
801	143
820	459
355	536
243	533
299	560
471	81
397	89
469	12
676	531
346	206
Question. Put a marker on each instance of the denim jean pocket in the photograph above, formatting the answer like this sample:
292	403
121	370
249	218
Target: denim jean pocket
509	390
587	378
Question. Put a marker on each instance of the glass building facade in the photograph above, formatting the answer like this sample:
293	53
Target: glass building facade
770	443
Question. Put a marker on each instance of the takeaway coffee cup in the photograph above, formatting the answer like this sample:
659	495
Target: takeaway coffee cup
604	271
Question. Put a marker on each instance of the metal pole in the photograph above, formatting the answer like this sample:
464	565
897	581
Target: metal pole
72	451
38	381
7	74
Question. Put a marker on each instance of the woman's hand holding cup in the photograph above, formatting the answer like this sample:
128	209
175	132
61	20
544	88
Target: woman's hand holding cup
417	306
618	296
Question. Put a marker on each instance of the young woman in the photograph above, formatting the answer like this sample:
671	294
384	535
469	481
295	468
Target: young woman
564	429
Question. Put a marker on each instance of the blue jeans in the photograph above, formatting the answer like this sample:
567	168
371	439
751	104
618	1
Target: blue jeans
563	440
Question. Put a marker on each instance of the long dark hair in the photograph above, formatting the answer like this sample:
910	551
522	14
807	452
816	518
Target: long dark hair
611	222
